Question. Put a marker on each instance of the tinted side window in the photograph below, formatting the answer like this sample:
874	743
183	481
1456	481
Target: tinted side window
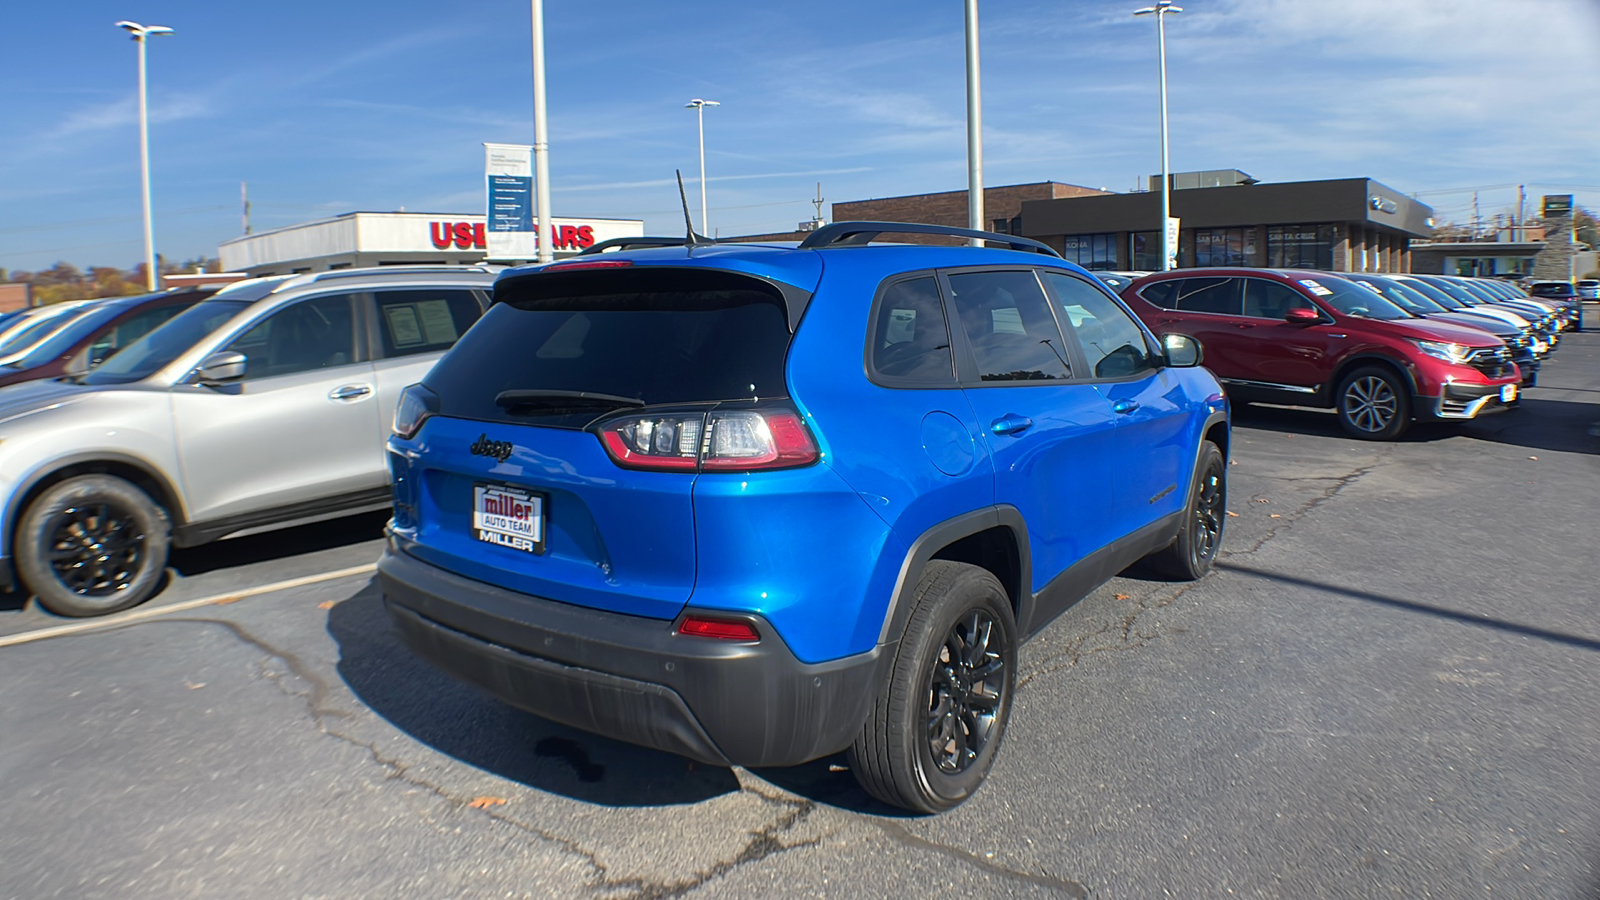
1270	300
131	329
318	333
1161	293
1008	323
911	340
424	321
1207	295
1111	341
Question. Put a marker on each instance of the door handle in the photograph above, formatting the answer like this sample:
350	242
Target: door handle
349	392
1124	406
1010	423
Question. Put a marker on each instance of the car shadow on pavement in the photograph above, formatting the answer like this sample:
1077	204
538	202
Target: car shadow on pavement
279	543
1538	424
462	722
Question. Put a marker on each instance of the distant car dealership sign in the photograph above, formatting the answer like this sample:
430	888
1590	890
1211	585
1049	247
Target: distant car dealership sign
508	183
476	236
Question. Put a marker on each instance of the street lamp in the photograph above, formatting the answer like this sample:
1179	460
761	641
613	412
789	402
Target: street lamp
1161	9
140	32
699	107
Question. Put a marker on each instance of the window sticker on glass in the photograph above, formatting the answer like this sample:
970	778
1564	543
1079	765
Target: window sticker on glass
1076	314
437	324
1315	288
403	324
902	326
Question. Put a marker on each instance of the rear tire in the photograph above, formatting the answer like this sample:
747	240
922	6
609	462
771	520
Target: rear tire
92	545
1373	404
1189	557
941	712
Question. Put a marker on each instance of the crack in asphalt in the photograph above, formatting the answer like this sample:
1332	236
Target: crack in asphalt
1159	599
902	835
763	844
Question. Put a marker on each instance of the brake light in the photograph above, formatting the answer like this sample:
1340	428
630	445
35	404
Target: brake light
589	264
724	629
415	405
723	441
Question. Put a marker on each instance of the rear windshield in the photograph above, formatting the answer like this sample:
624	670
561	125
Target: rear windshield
654	336
1553	290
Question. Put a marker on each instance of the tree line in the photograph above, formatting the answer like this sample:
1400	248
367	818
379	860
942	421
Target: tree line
65	281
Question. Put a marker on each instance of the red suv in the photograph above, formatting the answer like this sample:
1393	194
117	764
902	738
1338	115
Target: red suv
1314	339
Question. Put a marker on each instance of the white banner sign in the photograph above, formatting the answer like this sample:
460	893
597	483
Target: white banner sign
508	186
1172	242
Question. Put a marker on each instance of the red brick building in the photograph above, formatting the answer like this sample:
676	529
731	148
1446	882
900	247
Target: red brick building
15	295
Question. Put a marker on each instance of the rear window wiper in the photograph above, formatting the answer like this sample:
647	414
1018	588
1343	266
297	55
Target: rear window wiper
517	399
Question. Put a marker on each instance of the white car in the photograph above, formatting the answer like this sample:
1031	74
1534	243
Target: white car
263	406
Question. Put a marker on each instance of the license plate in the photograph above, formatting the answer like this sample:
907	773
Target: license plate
508	516
1508	393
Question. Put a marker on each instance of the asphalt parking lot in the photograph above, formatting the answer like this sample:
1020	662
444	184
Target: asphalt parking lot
1390	687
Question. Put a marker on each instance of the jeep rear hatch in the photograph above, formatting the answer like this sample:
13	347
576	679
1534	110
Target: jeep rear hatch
570	423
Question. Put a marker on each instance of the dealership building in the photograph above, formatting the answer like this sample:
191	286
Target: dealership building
359	239
1226	218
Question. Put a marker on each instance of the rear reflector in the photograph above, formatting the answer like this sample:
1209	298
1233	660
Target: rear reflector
725	629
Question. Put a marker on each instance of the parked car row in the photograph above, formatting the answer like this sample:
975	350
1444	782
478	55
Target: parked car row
179	418
610	498
1381	350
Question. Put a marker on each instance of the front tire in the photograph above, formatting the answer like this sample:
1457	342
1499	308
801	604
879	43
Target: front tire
92	545
1190	557
1373	404
941	713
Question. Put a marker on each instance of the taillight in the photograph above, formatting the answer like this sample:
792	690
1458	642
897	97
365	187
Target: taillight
725	629
415	405
723	441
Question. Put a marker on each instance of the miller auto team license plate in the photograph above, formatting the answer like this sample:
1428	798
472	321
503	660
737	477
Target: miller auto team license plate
508	516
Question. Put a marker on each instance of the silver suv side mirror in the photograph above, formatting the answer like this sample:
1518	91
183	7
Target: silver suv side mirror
220	367
1183	351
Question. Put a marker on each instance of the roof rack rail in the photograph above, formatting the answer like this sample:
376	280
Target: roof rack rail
851	234
630	243
400	269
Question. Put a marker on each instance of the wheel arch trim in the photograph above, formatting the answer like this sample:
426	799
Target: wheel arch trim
170	501
943	534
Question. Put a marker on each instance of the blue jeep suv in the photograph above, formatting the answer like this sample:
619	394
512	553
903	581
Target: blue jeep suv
756	504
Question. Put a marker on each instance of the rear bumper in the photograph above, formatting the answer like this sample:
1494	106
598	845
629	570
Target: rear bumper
629	677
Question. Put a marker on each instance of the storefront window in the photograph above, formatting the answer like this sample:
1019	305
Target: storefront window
1224	246
1144	249
1095	252
1301	246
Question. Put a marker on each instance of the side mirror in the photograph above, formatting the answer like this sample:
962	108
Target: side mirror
1182	351
220	367
1302	316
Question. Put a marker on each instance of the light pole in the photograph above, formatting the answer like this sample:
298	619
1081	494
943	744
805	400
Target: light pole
699	107
140	32
541	140
974	128
1161	9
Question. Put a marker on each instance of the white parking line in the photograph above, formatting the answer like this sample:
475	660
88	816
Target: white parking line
151	612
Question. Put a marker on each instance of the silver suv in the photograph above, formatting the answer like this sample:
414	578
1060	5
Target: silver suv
264	406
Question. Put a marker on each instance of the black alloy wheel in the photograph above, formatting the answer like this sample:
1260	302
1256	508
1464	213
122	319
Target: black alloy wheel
965	690
941	709
96	549
92	545
1194	550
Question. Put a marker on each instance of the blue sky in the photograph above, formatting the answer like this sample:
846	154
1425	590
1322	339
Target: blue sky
347	105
